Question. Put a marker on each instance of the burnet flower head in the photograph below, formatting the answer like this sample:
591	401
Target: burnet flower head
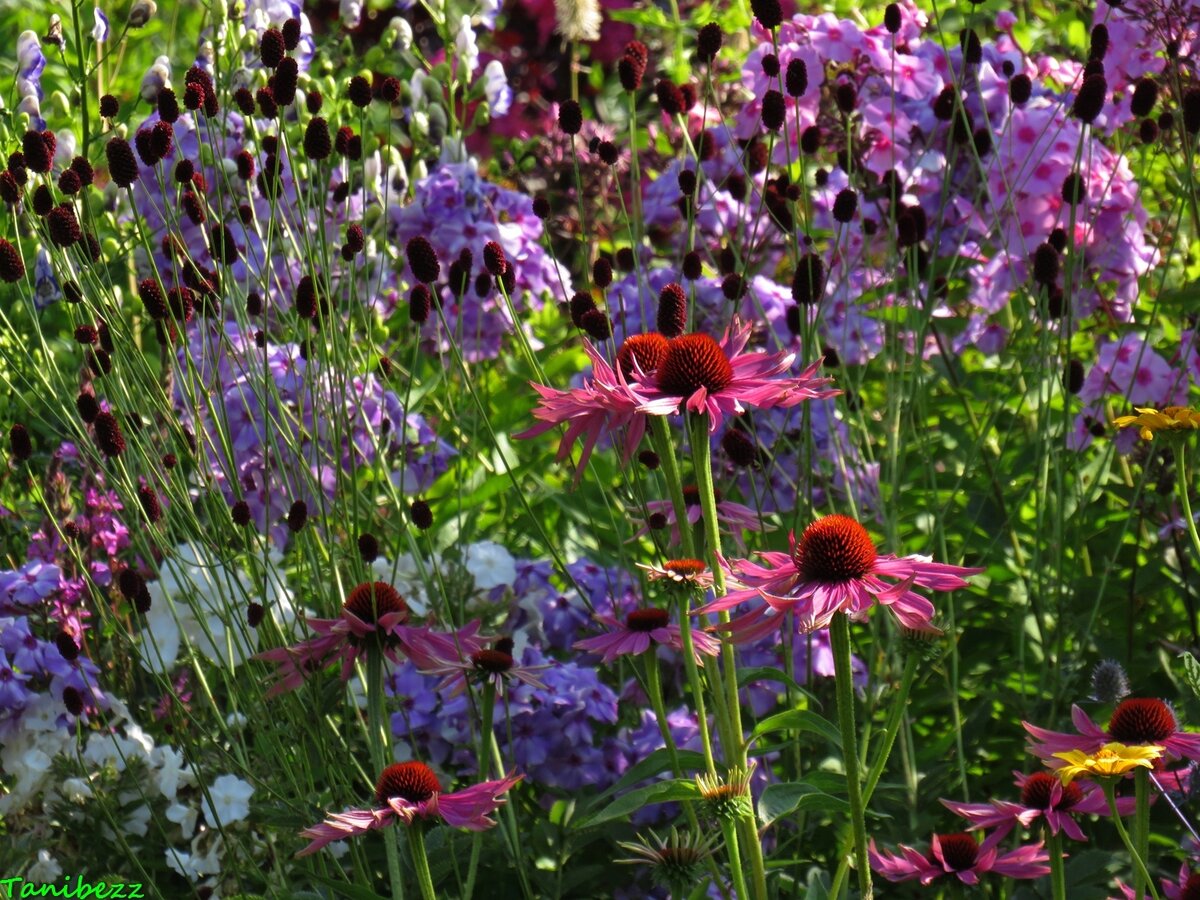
407	792
834	567
374	618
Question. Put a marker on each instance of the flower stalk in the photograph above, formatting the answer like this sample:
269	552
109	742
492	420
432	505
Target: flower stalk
380	751
1141	875
839	635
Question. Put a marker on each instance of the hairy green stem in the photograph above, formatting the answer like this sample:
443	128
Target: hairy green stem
1058	879
839	637
416	845
380	747
483	758
1139	865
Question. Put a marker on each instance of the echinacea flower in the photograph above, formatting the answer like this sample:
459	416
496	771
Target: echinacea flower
1105	762
1136	721
374	616
676	861
641	628
605	402
408	791
962	856
731	517
1045	797
834	567
688	572
721	379
494	664
1170	418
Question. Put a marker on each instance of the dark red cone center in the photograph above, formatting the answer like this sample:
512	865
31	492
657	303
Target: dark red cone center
646	619
1039	787
647	350
413	781
833	550
1141	720
371	601
1191	888
684	568
694	361
495	662
959	850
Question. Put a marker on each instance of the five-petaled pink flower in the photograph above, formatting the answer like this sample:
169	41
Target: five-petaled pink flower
833	568
962	856
1045	797
374	616
641	628
407	791
721	379
1137	721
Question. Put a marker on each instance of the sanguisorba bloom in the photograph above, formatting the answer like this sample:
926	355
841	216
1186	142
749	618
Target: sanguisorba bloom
1136	721
1169	419
1045	797
963	857
720	378
834	567
409	791
641	629
374	617
1104	762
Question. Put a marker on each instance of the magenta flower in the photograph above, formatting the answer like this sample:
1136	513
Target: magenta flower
408	791
373	616
691	572
733	518
606	402
494	664
833	568
1185	887
962	856
641	628
1043	796
1137	721
720	379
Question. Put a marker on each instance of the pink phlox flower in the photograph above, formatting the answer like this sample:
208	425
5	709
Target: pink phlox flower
720	379
410	791
833	568
962	856
604	403
642	628
1136	721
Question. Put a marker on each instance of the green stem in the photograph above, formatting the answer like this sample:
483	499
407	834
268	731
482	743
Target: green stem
1185	502
839	636
892	727
1141	822
729	828
484	756
416	845
380	751
1058	878
1139	865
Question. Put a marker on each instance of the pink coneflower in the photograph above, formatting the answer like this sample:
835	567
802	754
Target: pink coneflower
408	791
962	856
641	628
718	378
1137	721
1043	796
495	664
374	616
733	518
681	571
605	402
833	568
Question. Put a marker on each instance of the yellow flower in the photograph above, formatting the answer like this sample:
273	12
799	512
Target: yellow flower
1111	759
1171	418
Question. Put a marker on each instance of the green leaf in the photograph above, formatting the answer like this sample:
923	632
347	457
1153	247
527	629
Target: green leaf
345	889
780	800
768	673
1191	672
659	792
656	762
798	720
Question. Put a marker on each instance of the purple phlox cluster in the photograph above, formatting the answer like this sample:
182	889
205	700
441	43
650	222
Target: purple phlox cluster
459	211
300	399
1128	368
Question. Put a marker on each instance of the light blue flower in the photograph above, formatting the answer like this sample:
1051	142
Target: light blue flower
100	29
499	94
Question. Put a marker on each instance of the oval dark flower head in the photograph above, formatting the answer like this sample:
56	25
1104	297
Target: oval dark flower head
845	204
108	434
19	442
597	325
774	110
891	18
287	76
1191	110
672	310
38	156
64	227
602	273
368	547
708	42
359	92
670	97
1020	88
420	304
420	515
122	165
1145	95
692	267
12	268
297	516
291	33
493	259
770	65
630	71
317	143
808	284
570	117
271	48
1045	264
1099	45
768	12
1089	101
1074	191
422	259
109	106
796	78
846	97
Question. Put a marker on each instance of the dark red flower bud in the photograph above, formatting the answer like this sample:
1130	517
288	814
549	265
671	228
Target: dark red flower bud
243	99
122	166
240	513
1089	101
649	459
64	227
1045	264
846	97
65	644
148	497
355	237
305	300
193	96
192	207
86	334
943	104
359	92
108	434
971	47
109	106
493	258
810	140
68	182
581	303
708	42
891	18
151	294
808	284
672	310
1191	110
317	144
602	273
595	322
625	259
368	547
670	98
774	110
291	33
420	304
1148	131
181	302
1020	88
740	448
271	48
19	442
1099	45
1145	95
541	207
768	12
608	153
420	515
184	170
692	267
1074	191
10	191
38	156
845	204
87	406
297	516
73	701
42	201
796	79
224	250
630	73
12	268
570	117
390	90
287	75
733	286
770	65
422	259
